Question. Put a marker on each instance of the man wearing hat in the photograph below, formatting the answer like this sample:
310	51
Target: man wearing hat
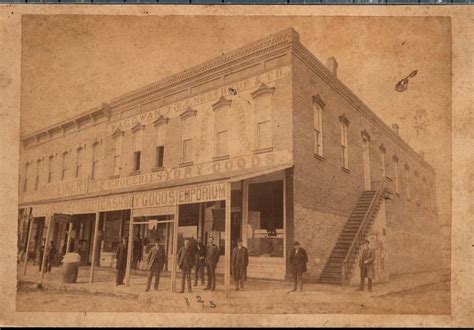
366	264
121	261
186	263
240	261
200	253
156	261
298	259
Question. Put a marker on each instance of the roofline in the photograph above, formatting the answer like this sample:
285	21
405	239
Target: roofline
287	36
324	73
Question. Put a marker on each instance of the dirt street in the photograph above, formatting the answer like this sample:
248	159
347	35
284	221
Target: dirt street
427	299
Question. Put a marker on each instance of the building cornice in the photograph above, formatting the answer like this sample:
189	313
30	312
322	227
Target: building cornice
284	38
217	67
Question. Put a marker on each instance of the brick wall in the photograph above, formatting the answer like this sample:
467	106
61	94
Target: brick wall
325	194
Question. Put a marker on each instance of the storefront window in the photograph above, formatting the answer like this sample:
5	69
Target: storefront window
113	230
265	219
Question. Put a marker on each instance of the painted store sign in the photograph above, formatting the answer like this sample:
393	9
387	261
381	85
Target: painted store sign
174	109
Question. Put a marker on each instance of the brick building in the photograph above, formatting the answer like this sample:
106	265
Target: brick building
266	129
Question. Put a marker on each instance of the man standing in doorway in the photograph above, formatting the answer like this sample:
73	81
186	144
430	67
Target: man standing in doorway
200	253
137	251
121	261
298	259
240	261
156	261
212	258
186	263
50	254
366	264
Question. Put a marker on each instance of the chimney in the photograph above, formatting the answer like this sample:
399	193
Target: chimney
395	128
331	63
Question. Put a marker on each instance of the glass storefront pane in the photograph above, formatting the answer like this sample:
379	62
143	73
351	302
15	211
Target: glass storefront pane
265	219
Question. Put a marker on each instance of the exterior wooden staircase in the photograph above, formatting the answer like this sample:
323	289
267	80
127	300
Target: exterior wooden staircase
340	264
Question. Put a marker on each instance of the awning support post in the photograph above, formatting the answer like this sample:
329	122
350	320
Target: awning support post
94	247
227	239
69	231
30	229
129	247
46	244
175	248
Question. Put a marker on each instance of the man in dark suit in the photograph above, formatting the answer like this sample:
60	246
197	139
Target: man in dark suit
137	251
298	259
200	253
240	261
156	261
212	258
186	263
50	254
366	264
121	261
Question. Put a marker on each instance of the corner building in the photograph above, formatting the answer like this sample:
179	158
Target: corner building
266	129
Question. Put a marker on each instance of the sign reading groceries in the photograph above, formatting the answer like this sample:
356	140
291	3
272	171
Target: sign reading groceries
167	196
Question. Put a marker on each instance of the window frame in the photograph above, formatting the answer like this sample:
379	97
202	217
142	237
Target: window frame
318	109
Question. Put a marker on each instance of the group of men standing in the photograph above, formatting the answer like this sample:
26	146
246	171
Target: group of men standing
202	257
197	256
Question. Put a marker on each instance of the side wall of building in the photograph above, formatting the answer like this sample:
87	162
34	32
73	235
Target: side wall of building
325	194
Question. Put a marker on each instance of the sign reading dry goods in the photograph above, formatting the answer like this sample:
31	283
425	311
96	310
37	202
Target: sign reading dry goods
251	162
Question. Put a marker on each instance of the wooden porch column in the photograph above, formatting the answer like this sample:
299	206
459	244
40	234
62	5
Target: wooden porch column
46	244
94	247
30	229
129	247
69	231
175	248
227	240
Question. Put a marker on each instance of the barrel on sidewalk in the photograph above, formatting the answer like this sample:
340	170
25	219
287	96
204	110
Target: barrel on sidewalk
70	267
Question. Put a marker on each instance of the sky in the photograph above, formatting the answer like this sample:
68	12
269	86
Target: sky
71	64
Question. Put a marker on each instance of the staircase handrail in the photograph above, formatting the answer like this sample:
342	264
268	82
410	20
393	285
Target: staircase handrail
359	231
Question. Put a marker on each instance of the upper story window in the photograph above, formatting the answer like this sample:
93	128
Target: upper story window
79	162
160	136
25	182
65	164
137	131
382	160
221	126
38	173
95	159
407	183
263	117
396	174
344	142
318	106
117	151
50	168
416	187
188	119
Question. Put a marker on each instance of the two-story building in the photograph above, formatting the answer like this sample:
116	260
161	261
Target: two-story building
266	128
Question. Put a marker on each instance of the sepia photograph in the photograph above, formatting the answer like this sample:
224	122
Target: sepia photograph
207	164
